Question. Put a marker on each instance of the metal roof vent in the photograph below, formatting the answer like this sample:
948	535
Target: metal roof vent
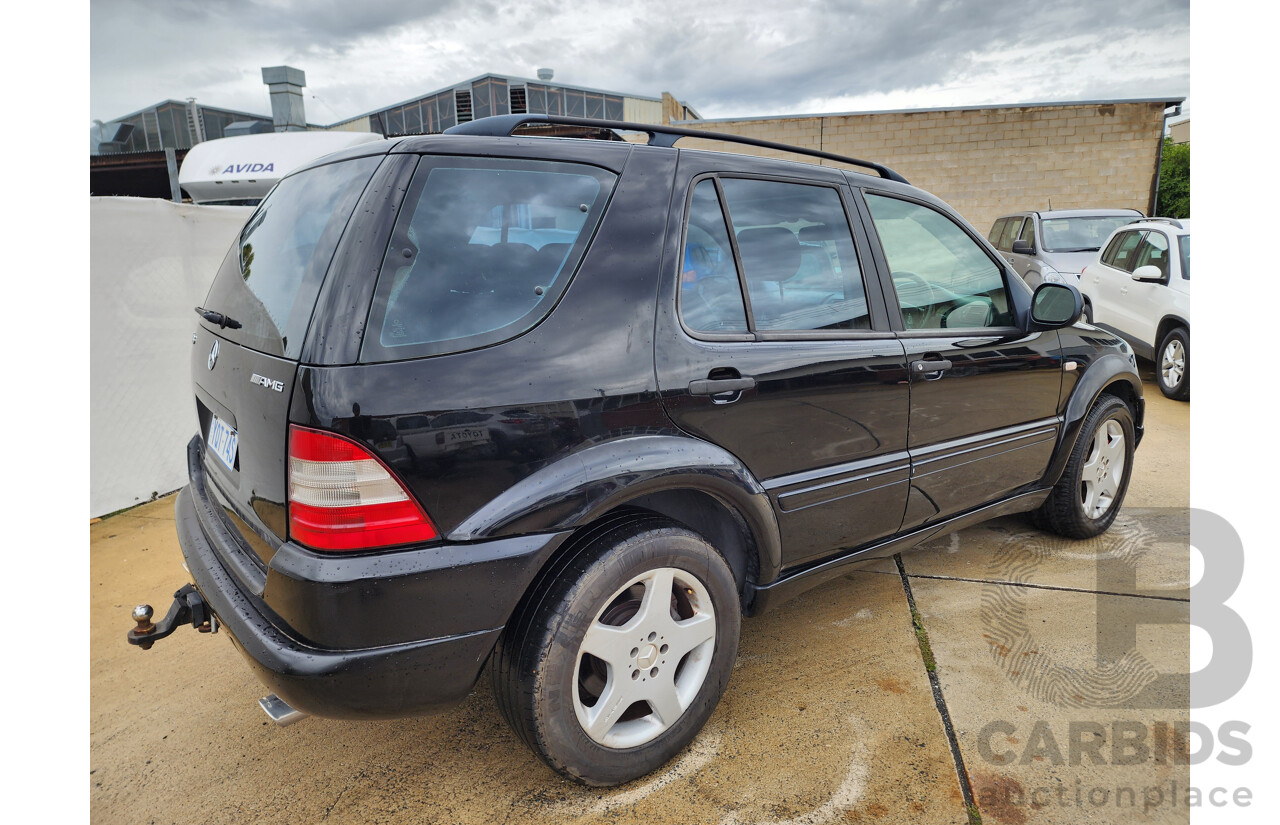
546	74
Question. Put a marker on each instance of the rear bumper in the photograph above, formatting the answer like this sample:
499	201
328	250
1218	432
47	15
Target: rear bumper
374	636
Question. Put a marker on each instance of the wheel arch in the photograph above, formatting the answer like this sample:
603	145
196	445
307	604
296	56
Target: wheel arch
1112	374
1167	323
691	482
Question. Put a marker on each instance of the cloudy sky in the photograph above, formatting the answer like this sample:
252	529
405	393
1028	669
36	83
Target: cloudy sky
725	59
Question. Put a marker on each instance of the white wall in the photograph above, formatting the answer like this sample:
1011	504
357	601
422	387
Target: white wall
151	263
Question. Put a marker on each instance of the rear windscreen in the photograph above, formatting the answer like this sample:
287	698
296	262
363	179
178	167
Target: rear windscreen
271	277
481	251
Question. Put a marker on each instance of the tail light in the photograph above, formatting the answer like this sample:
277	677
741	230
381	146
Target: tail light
343	498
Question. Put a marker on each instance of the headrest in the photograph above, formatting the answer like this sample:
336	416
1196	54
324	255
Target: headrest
816	234
769	253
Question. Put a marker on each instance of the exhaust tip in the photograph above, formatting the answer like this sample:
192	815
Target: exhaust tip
280	711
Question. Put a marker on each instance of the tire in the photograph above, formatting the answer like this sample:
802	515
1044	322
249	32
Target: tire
1087	312
1091	491
1173	364
600	717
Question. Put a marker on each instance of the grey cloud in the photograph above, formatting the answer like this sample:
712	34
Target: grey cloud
726	60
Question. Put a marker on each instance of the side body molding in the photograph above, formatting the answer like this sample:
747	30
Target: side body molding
1106	371
581	486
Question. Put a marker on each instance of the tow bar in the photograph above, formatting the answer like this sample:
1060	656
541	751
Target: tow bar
188	606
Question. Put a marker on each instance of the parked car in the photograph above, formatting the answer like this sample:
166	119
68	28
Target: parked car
1140	289
844	369
1054	246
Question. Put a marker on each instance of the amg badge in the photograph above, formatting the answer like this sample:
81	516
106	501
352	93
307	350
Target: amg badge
278	386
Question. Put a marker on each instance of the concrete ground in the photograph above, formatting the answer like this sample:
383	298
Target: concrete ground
1031	690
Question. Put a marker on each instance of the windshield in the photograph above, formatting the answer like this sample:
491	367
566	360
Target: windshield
1184	246
1083	234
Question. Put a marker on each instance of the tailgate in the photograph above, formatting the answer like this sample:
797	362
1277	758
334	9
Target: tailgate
242	400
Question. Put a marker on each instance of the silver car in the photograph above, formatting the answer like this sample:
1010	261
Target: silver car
1054	246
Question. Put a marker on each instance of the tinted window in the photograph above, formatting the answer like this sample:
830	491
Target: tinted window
1184	247
1153	251
480	253
271	277
942	278
797	255
1120	250
710	294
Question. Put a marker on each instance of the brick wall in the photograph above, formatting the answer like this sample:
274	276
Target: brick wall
987	162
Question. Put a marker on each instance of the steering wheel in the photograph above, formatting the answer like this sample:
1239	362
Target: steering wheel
925	313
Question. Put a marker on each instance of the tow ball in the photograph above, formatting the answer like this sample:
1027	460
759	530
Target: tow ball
188	606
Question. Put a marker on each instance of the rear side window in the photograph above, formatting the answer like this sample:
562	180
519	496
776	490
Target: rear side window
481	251
996	229
710	295
270	279
797	255
1010	232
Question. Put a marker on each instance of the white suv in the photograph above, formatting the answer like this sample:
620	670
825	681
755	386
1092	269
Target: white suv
1140	289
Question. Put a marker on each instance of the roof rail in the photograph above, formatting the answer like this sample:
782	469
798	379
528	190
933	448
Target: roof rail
505	125
1171	221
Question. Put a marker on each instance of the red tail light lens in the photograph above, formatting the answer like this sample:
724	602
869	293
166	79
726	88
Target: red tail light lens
342	498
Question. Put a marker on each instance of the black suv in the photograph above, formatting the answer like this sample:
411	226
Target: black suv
572	407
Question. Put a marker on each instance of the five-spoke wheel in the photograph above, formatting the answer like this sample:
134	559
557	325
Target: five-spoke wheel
1173	364
618	662
1088	495
644	658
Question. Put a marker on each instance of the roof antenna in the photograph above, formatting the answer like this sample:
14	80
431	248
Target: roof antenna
1050	204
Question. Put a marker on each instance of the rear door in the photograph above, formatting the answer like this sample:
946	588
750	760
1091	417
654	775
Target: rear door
243	373
773	342
984	394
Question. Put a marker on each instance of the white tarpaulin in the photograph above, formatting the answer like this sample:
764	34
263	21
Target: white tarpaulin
151	263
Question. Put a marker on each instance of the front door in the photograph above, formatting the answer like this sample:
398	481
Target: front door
984	394
773	342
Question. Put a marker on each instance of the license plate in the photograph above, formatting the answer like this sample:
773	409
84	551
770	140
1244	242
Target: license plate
223	441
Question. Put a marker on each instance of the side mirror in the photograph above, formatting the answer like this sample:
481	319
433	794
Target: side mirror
1148	273
1054	306
1021	247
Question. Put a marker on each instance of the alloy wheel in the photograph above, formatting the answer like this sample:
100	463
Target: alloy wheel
1173	363
1102	472
644	658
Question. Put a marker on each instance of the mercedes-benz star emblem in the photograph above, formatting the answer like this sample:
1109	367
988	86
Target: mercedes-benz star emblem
213	355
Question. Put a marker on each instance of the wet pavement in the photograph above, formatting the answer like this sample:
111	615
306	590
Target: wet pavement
833	715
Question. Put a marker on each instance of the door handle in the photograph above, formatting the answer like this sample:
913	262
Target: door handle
719	386
928	367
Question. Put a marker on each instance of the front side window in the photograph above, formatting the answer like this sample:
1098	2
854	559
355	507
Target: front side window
1153	251
481	251
797	255
942	278
1120	252
1029	232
